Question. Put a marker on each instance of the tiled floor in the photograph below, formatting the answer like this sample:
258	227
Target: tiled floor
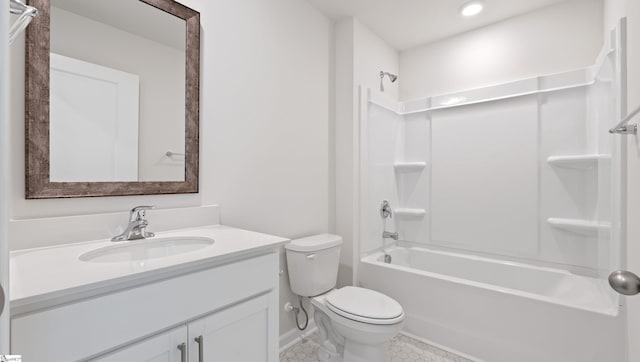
399	349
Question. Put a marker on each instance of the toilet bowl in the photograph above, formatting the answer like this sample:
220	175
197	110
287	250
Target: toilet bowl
353	323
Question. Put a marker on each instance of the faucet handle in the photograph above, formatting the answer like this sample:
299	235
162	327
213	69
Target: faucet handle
137	213
138	208
385	210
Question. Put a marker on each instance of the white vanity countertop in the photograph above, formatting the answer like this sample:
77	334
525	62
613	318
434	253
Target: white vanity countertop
44	277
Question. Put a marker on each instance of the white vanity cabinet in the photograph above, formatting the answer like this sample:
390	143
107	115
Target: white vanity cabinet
240	333
230	307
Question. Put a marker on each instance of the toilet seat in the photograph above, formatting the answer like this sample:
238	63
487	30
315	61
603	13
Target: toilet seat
365	305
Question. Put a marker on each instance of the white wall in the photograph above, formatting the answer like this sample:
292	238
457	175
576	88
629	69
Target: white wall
345	151
371	55
360	56
264	123
558	38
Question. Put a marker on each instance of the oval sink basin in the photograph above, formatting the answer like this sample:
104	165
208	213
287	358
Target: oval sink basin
146	249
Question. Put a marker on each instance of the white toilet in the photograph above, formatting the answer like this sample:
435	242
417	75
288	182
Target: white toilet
353	323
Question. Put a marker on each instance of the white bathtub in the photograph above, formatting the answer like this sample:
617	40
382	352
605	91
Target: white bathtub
500	311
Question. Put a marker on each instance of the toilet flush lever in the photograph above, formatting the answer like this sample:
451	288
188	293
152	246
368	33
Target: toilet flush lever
311	256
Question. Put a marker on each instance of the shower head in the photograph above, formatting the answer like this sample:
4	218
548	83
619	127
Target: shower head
392	77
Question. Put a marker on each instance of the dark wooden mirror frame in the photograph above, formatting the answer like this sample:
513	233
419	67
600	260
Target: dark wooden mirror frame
38	47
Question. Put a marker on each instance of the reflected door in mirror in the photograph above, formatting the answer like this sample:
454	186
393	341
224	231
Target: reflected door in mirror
117	92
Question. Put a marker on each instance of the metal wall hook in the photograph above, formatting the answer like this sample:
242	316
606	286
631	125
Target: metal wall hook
172	154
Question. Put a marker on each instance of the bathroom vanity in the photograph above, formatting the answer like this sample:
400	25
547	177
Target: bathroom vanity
212	298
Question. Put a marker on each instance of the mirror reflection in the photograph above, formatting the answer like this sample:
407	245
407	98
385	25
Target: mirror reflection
117	92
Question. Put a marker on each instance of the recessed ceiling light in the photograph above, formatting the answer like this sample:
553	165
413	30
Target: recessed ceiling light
472	8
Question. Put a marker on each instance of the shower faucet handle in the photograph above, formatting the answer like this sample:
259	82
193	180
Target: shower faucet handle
385	210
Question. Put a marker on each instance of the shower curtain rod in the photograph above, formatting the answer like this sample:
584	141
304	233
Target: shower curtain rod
26	14
623	128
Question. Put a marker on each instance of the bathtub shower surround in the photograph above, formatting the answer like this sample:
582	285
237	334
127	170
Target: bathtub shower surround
524	170
507	204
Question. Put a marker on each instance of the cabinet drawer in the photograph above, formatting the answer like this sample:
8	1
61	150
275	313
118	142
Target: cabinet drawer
83	329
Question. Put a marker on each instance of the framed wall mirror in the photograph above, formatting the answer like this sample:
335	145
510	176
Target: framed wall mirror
112	98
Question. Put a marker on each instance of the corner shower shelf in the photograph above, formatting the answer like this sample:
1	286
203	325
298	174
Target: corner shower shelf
585	227
410	213
577	161
409	166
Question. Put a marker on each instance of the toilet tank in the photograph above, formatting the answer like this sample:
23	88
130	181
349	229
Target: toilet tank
313	264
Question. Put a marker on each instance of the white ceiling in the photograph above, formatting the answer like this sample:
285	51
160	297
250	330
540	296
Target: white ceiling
405	24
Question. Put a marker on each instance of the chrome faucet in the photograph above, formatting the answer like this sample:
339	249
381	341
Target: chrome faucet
137	228
385	210
389	235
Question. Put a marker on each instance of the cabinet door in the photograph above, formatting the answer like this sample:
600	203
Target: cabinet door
163	347
242	333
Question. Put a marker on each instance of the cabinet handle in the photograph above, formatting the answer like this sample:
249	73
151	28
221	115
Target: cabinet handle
200	341
1	299
183	352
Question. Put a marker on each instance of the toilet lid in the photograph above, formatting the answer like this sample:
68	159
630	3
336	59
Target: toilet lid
365	305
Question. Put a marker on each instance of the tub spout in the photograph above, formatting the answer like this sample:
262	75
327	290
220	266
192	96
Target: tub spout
388	235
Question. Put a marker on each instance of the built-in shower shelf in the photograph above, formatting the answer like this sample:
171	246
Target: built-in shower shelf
578	226
577	161
409	166
410	213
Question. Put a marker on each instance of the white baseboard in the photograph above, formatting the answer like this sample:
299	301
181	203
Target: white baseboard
293	336
444	348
